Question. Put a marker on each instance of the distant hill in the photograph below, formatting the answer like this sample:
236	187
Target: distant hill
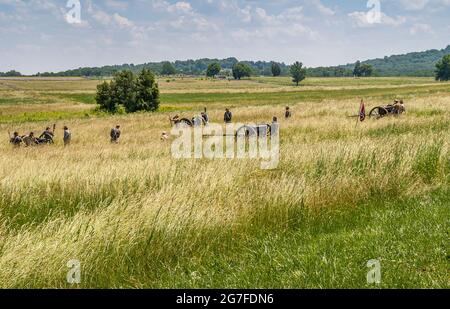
411	64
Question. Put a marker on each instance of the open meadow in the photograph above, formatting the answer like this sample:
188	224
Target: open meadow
135	217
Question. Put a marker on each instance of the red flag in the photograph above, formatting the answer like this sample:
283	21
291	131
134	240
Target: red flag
362	112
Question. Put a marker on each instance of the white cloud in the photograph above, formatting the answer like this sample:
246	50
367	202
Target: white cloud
102	17
180	7
322	8
117	4
287	25
418	5
121	21
421	28
414	5
361	19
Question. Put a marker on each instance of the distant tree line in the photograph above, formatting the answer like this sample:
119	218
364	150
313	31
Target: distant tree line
420	64
188	67
411	64
11	73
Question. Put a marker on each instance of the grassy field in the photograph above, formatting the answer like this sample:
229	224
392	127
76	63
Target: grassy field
137	218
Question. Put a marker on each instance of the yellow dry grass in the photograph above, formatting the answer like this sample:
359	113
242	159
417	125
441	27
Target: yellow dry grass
98	202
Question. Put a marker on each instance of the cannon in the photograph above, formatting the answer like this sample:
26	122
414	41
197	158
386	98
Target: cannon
388	110
254	130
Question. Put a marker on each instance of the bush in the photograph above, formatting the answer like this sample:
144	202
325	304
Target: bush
443	69
241	70
129	92
213	69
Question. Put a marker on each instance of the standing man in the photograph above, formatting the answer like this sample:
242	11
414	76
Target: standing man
274	127
115	134
402	107
67	136
288	113
15	140
228	117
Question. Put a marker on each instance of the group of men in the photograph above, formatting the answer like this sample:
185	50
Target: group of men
45	138
227	117
48	135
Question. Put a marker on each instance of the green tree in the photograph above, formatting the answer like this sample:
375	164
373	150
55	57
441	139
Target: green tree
276	70
134	94
298	72
443	69
168	69
123	90
104	98
213	69
366	70
241	70
357	70
12	73
147	92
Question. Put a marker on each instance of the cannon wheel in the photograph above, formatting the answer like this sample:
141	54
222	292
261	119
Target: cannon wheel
186	122
246	131
378	112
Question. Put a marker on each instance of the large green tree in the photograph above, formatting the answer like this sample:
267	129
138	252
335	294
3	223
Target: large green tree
362	69
123	89
147	92
298	73
366	70
357	70
276	70
168	69
213	69
104	98
240	70
443	69
133	93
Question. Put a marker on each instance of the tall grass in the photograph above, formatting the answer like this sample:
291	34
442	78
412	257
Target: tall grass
135	217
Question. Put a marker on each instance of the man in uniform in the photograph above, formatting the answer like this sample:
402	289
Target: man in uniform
15	140
47	135
115	134
288	113
274	127
30	140
67	136
205	118
228	116
402	108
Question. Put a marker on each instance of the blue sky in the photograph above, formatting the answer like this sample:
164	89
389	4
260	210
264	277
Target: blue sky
36	36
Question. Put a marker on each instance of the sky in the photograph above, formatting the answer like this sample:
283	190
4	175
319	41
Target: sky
55	35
